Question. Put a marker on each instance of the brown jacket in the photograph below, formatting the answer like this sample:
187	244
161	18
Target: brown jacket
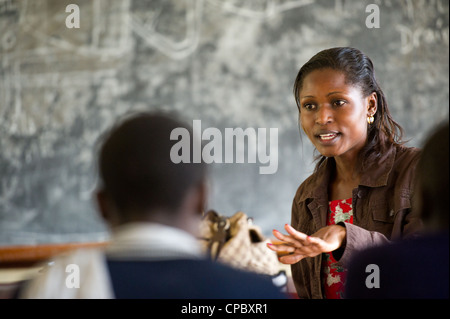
381	211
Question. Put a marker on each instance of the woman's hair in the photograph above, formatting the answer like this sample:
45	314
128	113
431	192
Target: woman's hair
359	71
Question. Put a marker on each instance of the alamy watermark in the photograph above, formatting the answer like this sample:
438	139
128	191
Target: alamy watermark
73	19
225	148
73	278
373	280
372	20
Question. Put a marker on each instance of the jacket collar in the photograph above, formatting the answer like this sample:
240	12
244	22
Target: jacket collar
376	175
152	241
378	171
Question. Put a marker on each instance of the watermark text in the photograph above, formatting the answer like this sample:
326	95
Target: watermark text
226	148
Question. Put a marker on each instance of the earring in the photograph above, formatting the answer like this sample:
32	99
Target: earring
370	119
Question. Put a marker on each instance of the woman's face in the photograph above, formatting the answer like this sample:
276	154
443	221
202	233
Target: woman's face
333	114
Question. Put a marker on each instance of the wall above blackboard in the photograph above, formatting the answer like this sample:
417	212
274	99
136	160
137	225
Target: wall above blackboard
228	63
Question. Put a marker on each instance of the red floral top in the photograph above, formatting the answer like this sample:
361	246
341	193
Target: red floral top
333	274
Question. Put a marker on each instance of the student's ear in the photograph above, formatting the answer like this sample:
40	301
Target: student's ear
103	205
202	197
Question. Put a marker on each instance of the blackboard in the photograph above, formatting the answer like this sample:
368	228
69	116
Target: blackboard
228	63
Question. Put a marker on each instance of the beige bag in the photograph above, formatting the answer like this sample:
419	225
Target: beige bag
237	242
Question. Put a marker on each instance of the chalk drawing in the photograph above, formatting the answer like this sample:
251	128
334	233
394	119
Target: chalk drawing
270	9
143	24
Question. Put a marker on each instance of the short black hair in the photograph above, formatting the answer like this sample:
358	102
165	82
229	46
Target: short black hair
135	168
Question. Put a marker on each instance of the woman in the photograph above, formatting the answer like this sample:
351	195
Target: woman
360	192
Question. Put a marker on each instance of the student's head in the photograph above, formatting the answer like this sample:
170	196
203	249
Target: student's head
336	92
432	180
139	181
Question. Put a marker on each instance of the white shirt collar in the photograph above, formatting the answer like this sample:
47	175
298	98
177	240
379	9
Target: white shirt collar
151	241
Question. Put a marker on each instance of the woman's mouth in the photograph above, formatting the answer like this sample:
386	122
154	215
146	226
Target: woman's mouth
327	137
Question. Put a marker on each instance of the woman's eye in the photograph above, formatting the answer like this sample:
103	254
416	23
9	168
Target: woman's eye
339	102
309	106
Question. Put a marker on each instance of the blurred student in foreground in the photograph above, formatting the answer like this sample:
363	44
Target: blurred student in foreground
154	208
416	268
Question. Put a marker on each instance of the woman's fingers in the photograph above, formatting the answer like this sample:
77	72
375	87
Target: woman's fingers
285	238
296	244
301	237
281	248
295	238
297	249
291	259
286	253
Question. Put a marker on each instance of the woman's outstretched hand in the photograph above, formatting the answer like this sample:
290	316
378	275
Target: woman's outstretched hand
299	245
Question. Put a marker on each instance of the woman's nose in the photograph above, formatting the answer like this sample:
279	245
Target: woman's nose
324	115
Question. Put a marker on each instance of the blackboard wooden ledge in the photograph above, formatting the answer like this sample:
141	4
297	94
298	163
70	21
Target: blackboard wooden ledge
29	255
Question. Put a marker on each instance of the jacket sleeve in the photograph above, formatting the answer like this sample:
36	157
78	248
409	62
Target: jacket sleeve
357	238
407	225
